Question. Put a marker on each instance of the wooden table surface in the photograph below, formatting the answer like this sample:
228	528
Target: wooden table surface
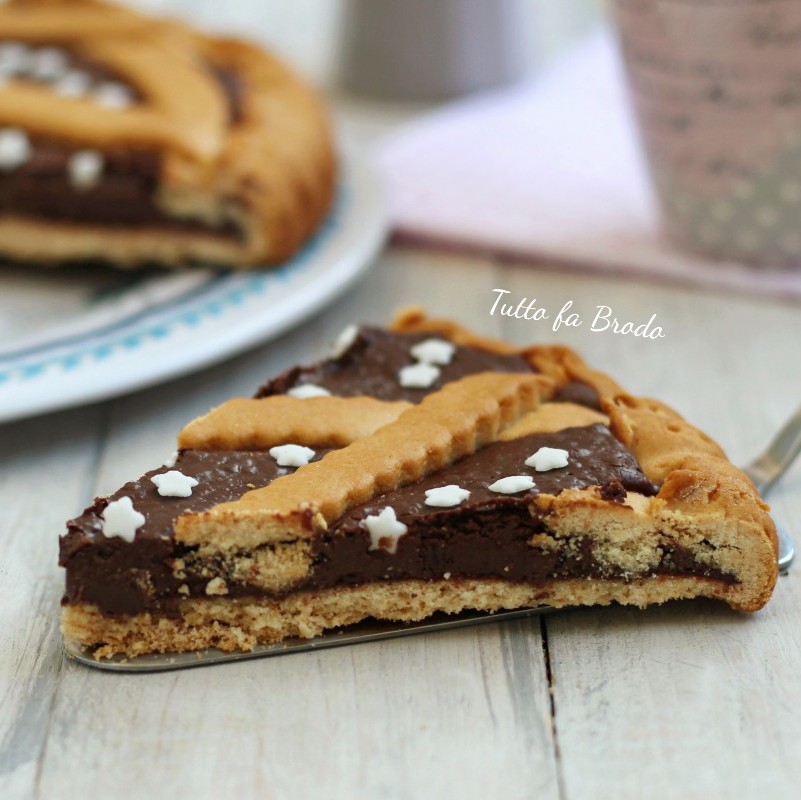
682	701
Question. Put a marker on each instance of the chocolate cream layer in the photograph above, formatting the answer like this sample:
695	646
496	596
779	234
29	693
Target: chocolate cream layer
487	536
125	194
370	366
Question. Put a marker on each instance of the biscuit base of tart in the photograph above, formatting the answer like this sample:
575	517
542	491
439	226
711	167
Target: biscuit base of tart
243	623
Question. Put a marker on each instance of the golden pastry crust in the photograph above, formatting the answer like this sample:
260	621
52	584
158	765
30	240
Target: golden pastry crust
269	173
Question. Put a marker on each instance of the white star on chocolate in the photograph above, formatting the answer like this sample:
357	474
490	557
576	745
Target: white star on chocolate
73	83
15	148
305	390
113	95
47	63
512	484
434	351
291	455
120	518
84	169
385	529
174	483
418	376
446	496
548	458
344	341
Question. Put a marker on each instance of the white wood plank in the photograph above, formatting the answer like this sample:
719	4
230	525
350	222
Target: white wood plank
46	467
432	716
689	700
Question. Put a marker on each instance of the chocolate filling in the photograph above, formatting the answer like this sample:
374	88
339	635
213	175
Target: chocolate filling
125	194
485	537
370	367
473	539
580	393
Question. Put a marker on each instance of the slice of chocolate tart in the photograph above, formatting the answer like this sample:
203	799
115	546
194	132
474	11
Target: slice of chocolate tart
419	469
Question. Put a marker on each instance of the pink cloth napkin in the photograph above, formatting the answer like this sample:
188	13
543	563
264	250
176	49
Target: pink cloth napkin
548	172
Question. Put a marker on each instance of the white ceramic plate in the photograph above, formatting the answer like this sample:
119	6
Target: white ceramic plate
74	336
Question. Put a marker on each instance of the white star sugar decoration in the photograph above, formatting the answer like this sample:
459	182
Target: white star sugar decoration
174	484
418	376
291	455
512	484
385	529
111	94
446	496
306	390
121	519
434	351
548	458
344	341
15	148
84	169
73	83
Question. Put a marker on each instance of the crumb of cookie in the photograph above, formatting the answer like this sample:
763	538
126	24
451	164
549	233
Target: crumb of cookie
216	586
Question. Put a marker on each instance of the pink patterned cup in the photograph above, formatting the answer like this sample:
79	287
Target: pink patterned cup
717	90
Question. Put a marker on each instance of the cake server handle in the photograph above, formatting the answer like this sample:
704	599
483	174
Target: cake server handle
770	465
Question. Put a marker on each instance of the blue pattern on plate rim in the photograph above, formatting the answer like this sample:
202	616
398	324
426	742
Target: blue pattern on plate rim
225	291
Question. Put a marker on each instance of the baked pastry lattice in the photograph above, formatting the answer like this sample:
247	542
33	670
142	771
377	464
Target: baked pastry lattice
132	139
418	469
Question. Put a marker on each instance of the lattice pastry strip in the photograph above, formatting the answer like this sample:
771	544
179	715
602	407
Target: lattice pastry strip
244	424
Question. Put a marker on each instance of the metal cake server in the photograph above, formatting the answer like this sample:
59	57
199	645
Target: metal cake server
769	466
764	471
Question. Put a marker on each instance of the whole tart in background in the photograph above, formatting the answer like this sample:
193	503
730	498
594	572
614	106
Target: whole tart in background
130	139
